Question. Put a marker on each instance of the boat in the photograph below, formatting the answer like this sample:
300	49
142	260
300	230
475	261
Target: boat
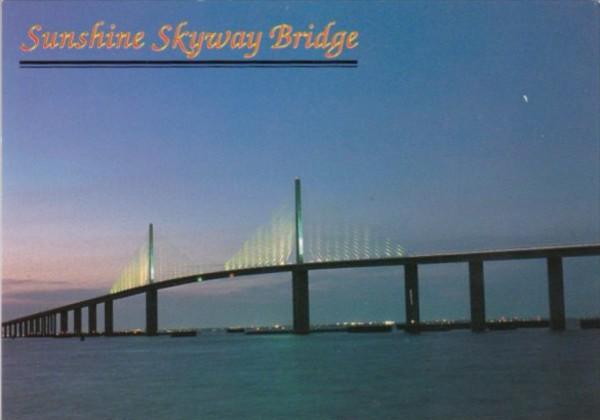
365	328
236	329
586	323
184	333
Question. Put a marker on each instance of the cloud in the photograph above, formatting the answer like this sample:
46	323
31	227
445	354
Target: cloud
15	285
33	281
60	296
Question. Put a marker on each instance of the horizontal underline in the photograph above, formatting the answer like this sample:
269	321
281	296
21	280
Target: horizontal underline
188	63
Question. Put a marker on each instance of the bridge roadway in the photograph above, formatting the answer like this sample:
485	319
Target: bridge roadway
44	323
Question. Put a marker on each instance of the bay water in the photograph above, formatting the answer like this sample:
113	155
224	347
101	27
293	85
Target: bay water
522	374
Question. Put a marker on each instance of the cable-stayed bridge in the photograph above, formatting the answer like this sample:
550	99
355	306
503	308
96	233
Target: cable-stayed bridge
283	245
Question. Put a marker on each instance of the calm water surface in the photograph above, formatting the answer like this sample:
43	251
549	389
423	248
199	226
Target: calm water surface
525	374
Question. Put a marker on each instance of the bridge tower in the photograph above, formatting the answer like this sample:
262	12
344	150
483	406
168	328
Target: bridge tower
152	292
300	275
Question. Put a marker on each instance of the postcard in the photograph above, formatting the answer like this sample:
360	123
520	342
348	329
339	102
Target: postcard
300	209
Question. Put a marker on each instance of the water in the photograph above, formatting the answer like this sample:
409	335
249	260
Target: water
525	374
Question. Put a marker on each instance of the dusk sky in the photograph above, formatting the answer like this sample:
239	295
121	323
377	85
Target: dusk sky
465	126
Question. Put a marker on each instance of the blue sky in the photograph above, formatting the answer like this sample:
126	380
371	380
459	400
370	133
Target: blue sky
430	139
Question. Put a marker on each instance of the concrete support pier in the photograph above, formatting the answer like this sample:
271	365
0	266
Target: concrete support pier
64	322
77	321
300	302
411	297
477	293
108	317
152	311
556	293
92	324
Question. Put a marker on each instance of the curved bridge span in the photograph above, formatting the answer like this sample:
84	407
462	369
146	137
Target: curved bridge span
44	323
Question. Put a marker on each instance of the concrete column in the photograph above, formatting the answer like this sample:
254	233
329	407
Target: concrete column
411	297
556	293
38	326
151	311
477	294
108	317
53	318
300	301
44	326
64	322
92	327
20	329
77	321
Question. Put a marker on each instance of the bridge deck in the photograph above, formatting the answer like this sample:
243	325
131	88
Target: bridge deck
463	257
